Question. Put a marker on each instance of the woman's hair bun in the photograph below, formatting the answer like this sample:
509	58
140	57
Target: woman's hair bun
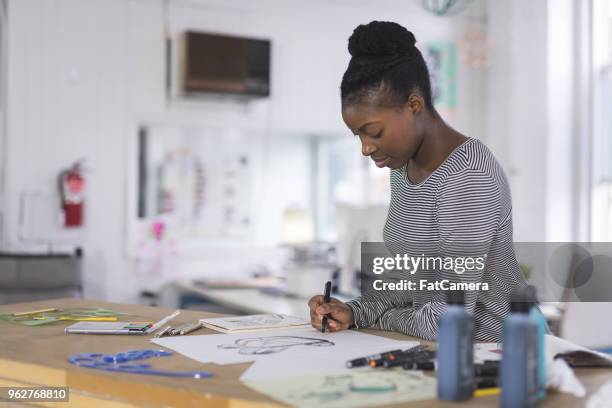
380	39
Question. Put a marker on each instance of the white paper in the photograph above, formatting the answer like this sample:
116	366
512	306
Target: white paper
315	363
294	346
357	388
487	351
560	377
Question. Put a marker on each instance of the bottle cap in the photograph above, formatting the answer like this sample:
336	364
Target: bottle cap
455	297
519	302
531	294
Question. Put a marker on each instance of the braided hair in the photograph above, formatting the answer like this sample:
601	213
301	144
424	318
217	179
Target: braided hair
384	60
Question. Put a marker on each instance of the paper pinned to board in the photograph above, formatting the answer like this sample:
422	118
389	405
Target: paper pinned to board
347	389
235	324
294	345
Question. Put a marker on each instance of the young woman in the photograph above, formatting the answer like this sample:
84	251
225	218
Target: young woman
446	188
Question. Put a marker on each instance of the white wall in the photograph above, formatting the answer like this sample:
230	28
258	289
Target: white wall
83	74
533	121
517	104
561	120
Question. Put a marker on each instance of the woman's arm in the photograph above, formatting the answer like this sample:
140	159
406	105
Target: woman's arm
470	207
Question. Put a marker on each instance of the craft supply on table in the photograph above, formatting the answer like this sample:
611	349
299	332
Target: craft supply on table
122	362
109	328
236	324
455	354
52	315
487	382
163	321
360	387
34	312
414	355
519	365
487	369
179	330
486	392
421	365
538	318
118	327
83	319
362	361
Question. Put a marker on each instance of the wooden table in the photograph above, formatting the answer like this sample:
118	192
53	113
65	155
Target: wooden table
38	356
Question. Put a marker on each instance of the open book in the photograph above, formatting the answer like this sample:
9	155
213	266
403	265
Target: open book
238	324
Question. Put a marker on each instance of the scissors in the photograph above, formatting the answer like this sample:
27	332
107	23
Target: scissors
120	362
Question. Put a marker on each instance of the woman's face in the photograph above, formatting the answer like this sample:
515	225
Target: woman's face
388	135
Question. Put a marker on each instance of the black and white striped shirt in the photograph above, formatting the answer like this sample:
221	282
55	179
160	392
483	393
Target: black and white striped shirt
466	199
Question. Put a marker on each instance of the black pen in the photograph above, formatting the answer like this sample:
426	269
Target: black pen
326	297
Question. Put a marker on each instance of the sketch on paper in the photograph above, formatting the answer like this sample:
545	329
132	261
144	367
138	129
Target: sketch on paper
295	350
361	388
336	387
273	344
258	320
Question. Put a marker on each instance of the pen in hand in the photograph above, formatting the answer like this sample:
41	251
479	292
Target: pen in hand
326	298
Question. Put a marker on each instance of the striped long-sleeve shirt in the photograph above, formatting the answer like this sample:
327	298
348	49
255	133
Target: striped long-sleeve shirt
465	200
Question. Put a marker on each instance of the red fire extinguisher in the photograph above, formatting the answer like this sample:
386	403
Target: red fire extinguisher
72	194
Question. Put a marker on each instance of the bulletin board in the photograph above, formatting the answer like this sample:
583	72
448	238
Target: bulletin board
190	184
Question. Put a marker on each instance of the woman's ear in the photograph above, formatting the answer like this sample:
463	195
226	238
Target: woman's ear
415	103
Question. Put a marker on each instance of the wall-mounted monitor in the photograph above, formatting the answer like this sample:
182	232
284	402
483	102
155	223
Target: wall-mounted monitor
225	64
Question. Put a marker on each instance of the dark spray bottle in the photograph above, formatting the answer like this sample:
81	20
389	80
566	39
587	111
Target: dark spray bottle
519	366
455	350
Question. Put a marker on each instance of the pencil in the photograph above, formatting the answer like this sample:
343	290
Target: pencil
162	322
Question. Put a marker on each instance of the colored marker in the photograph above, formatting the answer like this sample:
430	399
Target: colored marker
358	362
395	356
409	357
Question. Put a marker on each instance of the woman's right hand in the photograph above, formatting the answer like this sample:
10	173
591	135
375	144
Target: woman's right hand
339	315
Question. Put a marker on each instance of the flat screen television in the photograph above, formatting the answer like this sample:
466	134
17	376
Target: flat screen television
223	64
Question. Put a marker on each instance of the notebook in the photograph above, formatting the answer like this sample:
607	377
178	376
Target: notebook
238	324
